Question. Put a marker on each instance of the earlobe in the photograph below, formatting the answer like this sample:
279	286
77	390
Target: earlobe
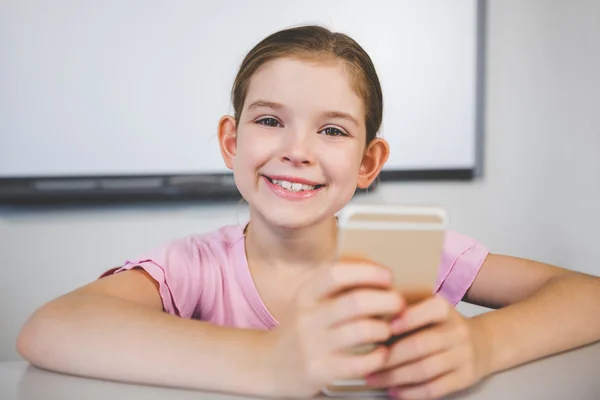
227	139
373	161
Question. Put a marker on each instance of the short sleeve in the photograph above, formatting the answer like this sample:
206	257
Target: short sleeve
462	258
176	269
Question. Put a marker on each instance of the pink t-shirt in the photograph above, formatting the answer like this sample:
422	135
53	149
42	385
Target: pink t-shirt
207	276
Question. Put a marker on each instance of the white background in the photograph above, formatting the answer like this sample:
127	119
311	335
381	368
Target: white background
118	87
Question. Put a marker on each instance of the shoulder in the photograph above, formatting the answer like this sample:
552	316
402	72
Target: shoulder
185	267
456	243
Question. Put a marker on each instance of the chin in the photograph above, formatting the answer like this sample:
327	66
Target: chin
290	216
285	219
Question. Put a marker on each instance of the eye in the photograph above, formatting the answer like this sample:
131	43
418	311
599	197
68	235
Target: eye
269	121
332	131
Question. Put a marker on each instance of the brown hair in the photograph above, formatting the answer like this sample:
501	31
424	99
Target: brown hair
320	43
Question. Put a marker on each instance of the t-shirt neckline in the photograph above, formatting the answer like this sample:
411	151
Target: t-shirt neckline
248	285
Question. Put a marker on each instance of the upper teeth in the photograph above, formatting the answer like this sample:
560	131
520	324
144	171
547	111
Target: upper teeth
295	187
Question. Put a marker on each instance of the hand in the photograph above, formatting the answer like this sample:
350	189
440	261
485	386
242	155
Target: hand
331	313
447	353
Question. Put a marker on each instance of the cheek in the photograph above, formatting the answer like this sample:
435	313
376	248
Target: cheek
343	164
252	151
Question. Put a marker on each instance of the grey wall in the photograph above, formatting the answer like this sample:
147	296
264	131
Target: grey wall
539	198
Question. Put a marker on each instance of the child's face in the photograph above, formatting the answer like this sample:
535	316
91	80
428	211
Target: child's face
302	126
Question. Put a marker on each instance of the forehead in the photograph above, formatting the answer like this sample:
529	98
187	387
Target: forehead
306	85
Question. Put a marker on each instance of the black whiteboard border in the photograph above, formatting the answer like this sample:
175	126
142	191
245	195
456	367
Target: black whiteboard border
164	188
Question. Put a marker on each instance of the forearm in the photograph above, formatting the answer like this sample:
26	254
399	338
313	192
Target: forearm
543	324
109	338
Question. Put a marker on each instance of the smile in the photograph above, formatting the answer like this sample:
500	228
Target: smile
293	187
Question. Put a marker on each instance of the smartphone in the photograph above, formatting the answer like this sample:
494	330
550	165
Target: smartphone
406	239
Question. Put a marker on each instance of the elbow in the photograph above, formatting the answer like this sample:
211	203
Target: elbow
26	341
33	340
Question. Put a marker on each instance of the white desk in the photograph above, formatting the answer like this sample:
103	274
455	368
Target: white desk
573	375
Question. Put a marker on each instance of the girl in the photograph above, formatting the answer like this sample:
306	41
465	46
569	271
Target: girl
265	308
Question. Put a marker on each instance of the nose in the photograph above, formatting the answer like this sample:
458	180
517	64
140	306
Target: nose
297	149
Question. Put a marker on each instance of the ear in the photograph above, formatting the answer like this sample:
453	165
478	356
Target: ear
373	161
227	139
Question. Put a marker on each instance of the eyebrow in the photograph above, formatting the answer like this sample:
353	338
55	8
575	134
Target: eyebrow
267	104
328	114
341	115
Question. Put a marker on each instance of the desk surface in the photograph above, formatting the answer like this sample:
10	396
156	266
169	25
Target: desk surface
571	375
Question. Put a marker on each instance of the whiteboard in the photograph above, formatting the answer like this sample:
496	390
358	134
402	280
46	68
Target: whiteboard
136	87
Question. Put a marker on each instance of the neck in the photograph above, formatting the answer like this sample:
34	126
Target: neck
304	247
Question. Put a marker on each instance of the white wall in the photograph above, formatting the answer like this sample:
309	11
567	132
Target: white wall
540	196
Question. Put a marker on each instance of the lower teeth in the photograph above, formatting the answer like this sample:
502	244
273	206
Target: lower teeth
292	190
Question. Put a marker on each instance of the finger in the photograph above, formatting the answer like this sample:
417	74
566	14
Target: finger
359	332
433	310
424	343
359	303
343	276
434	389
351	366
419	371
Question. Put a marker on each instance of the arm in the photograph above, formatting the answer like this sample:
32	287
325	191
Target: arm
544	310
114	328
